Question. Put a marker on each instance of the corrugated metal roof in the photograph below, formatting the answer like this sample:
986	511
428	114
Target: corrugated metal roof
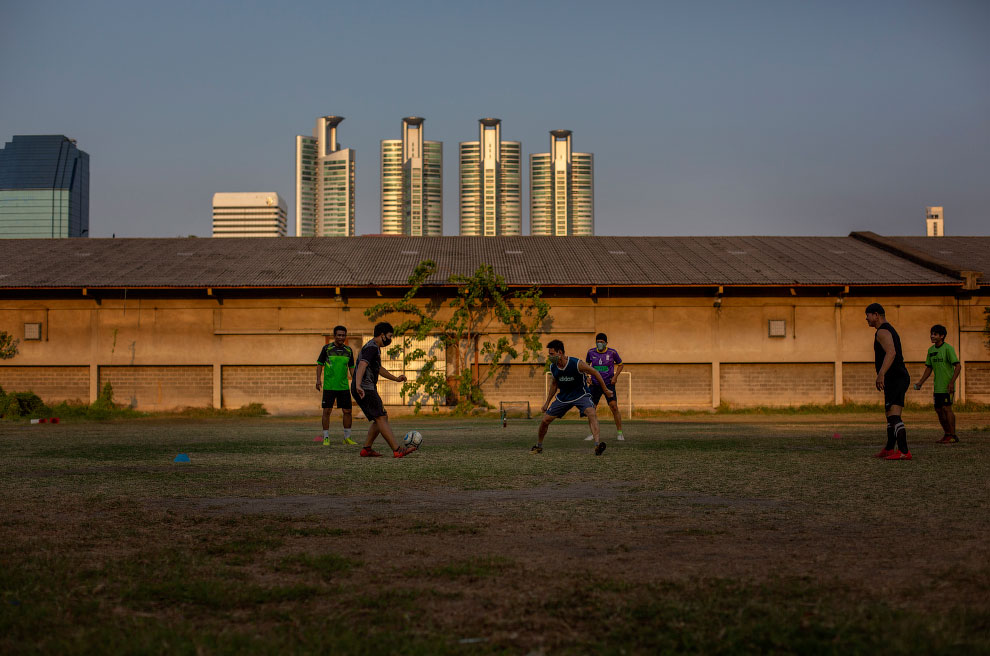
972	253
371	261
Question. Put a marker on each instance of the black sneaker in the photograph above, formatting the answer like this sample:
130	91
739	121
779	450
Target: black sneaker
536	450
599	448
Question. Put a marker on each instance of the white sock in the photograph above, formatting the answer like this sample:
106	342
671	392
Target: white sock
347	433
326	433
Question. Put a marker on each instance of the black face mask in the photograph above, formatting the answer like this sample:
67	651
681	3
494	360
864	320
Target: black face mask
386	340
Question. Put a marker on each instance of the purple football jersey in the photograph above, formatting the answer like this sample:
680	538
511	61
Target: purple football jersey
604	363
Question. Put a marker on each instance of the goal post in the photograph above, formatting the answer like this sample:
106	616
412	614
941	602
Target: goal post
513	410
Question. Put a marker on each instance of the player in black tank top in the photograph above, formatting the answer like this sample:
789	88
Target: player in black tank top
892	379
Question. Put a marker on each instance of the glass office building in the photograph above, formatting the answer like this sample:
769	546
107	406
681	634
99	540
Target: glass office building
412	183
44	188
561	190
491	183
252	214
324	183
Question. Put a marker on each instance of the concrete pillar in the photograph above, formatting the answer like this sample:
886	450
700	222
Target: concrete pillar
716	389
94	346
217	385
838	354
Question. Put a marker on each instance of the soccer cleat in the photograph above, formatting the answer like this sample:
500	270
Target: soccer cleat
403	452
368	452
326	440
953	439
536	450
897	455
599	448
619	437
589	438
884	453
348	440
946	439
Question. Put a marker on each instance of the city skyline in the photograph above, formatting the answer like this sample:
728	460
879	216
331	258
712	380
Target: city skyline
705	118
325	183
249	214
490	184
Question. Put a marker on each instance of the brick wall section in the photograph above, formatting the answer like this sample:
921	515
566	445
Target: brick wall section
977	381
282	389
653	386
859	383
160	388
777	384
52	384
667	385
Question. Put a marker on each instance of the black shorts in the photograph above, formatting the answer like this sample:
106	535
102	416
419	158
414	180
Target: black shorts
894	390
342	398
371	405
943	401
597	393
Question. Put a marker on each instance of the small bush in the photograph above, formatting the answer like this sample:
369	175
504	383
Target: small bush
22	404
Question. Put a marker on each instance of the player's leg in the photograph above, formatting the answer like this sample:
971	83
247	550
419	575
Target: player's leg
541	432
950	420
385	429
895	427
327	404
942	419
613	405
372	408
596	395
347	415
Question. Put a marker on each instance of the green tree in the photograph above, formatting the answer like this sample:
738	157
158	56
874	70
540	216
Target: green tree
8	346
483	303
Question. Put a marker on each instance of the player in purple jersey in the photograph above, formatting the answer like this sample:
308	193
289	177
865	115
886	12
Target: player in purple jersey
607	362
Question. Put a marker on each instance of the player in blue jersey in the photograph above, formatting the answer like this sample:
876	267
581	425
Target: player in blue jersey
609	364
568	391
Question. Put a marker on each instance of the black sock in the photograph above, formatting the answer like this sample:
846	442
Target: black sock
900	432
891	437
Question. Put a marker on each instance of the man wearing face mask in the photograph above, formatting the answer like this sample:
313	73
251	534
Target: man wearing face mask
364	389
568	391
607	362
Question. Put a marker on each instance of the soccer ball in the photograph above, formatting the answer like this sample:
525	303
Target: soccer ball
413	438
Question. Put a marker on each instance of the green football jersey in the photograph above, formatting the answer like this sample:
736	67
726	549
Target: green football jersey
943	361
336	360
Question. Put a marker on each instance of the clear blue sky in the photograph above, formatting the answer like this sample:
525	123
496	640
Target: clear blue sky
771	117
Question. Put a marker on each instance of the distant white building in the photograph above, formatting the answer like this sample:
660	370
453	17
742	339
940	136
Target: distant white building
934	221
251	214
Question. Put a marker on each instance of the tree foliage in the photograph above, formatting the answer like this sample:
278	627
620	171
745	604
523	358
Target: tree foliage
8	346
482	306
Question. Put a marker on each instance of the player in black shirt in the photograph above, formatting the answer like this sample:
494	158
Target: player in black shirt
892	379
364	388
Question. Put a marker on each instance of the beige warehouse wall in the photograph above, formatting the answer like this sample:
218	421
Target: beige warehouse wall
264	350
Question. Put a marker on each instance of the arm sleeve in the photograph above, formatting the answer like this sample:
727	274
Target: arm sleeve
618	360
928	359
953	358
322	359
350	358
587	358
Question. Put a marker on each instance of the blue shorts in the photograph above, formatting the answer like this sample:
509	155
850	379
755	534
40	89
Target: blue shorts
559	408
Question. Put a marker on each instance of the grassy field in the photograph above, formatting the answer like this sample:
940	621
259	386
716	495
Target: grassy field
721	535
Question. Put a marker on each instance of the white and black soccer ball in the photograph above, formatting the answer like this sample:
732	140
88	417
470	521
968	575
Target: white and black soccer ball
413	438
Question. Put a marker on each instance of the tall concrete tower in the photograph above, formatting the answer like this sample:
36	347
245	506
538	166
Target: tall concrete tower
561	190
491	183
934	221
324	183
412	183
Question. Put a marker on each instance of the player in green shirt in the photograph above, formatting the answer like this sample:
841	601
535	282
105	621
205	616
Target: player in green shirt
333	368
942	360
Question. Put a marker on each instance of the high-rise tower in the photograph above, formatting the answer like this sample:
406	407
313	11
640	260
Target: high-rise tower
250	214
934	222
491	183
44	187
324	183
561	190
412	183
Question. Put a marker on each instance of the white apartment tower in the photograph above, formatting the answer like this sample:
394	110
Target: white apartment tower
249	215
412	183
324	183
491	183
934	221
561	190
